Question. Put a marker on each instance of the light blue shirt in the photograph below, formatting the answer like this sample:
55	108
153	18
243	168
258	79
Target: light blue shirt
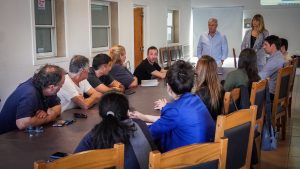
216	46
270	69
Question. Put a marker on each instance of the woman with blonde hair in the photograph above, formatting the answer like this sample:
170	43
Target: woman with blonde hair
207	85
119	71
254	38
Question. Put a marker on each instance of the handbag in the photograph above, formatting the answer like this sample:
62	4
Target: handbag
269	138
269	135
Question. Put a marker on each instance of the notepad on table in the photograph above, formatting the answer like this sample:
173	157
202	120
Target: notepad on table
153	82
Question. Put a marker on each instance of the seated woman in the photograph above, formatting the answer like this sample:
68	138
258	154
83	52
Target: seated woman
119	71
246	73
186	119
117	127
208	86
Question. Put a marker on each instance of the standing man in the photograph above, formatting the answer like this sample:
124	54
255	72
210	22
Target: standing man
274	63
99	76
148	67
213	43
34	102
76	85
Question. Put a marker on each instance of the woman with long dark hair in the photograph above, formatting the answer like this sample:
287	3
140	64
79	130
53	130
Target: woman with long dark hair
246	73
117	127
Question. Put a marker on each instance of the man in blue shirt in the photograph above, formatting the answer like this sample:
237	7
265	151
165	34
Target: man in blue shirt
274	63
34	102
213	43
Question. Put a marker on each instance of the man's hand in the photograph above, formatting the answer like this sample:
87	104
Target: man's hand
41	114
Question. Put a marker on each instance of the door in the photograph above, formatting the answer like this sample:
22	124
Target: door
138	36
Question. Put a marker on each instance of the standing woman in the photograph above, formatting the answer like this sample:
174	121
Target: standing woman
254	38
208	86
118	70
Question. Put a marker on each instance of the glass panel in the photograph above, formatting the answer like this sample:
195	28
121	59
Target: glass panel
43	13
100	37
43	40
169	34
100	15
170	19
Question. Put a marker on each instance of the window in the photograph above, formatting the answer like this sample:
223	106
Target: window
101	26
49	29
172	27
44	27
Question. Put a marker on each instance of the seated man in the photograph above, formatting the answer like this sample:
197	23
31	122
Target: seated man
99	77
76	85
274	63
148	67
34	102
283	48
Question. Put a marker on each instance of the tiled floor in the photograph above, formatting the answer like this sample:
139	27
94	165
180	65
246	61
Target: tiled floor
287	156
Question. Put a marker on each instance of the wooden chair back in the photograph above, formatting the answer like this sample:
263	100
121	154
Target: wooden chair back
280	102
191	155
238	127
92	159
258	98
230	100
294	63
164	55
234	58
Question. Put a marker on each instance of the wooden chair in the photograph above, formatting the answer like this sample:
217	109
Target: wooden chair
238	127
294	63
280	102
174	53
179	48
258	98
199	155
96	159
234	58
165	59
230	100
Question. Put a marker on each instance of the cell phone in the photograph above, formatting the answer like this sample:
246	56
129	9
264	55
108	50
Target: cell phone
68	122
59	123
58	155
80	115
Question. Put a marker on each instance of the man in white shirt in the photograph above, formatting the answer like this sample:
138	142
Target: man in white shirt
76	85
213	43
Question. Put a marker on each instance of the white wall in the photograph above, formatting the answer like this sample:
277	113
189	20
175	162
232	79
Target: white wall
279	20
16	42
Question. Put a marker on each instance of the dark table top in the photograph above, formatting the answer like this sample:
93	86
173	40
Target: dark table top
19	149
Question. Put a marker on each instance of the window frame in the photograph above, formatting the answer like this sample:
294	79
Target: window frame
172	27
48	57
99	49
53	34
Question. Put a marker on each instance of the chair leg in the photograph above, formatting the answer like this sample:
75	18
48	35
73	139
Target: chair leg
290	107
283	127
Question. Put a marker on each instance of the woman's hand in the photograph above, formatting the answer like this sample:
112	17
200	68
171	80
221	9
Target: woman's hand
136	115
159	104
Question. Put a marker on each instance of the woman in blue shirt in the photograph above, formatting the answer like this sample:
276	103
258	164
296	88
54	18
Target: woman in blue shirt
186	119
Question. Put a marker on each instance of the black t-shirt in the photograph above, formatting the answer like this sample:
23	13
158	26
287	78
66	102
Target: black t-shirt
144	70
95	81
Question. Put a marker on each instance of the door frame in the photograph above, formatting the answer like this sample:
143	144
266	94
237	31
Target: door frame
145	27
